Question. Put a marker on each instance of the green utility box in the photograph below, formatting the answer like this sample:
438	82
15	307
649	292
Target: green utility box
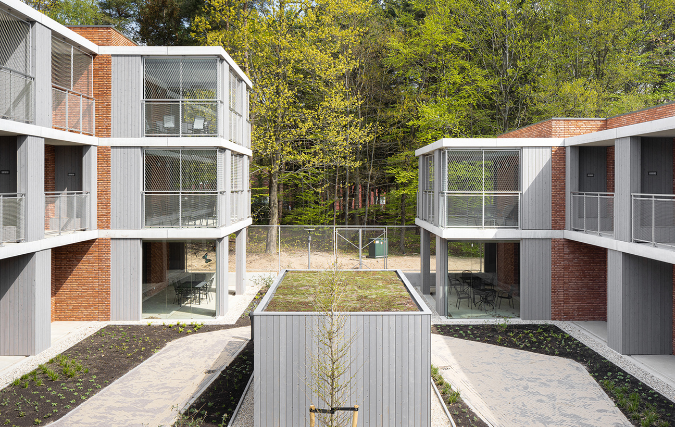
378	248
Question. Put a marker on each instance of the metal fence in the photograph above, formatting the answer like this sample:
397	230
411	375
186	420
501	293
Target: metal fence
480	210
72	111
274	248
654	219
593	213
12	217
66	211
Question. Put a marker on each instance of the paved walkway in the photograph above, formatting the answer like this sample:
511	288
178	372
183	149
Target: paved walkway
518	388
152	393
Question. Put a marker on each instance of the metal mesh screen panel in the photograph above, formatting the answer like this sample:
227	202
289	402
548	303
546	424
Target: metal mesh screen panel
16	96
463	210
59	109
162	79
88	112
199	170
481	170
236	170
199	79
66	212
162	170
199	210
61	63
12	218
464	170
74	109
501	210
82	73
502	170
15	46
162	210
654	219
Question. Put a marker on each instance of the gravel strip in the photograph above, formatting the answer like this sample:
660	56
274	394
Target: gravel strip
32	362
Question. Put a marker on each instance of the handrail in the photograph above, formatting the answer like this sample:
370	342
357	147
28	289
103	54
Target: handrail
602	193
66	211
65	193
482	213
653	222
595	215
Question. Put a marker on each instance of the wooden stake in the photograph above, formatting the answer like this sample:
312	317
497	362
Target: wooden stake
312	416
355	418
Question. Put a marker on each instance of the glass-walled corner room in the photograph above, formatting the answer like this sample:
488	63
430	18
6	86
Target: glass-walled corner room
179	279
483	279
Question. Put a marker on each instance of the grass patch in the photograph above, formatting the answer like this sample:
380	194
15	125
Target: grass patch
368	291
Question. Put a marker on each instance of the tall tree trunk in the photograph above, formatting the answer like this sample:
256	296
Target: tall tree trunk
346	198
403	223
271	244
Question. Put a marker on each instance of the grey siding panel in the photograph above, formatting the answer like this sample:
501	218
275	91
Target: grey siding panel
571	180
593	161
640	293
30	181
42	71
441	279
126	207
68	161
536	186
127	90
25	316
89	181
656	156
425	261
222	285
535	279
627	180
8	163
125	279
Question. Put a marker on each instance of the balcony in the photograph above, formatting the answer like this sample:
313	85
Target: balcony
425	206
180	118
240	206
72	111
12	216
480	209
66	211
593	213
181	210
654	219
16	96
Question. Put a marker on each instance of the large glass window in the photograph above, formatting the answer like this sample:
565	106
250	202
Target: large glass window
179	279
16	80
181	96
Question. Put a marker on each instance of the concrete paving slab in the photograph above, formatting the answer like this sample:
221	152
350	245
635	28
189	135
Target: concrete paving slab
152	393
519	388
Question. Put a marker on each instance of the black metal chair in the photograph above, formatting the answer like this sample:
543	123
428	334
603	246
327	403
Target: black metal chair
508	295
463	292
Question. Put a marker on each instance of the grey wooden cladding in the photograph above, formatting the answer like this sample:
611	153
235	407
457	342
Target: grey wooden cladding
535	279
126	176
42	71
441	279
627	154
390	365
125	279
126	93
30	181
535	204
25	304
639	304
425	261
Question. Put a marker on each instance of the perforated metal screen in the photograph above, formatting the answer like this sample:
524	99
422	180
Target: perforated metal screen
482	170
15	46
16	82
181	78
181	170
237	170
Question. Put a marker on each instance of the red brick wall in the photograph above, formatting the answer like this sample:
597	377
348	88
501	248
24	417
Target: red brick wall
103	188
610	169
102	88
103	36
558	188
50	168
557	128
646	115
538	130
81	281
578	281
158	261
508	263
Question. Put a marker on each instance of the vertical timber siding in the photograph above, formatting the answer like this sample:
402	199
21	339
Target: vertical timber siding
127	90
24	304
125	279
627	154
126	207
536	186
42	71
535	279
30	181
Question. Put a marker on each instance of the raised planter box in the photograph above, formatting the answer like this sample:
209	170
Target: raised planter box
390	364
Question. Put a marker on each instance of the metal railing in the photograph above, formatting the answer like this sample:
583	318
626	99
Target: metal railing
425	206
72	111
66	211
193	117
12	217
654	219
16	96
180	210
240	206
480	209
593	212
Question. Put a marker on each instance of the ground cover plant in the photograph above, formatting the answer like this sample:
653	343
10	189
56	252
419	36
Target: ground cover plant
462	415
642	405
57	387
365	291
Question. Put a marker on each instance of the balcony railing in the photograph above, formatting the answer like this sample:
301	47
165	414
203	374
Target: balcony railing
182	117
654	219
240	207
72	111
16	96
180	210
12	216
593	213
480	209
66	211
425	206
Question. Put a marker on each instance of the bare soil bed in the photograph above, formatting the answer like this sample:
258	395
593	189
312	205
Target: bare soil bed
363	291
640	403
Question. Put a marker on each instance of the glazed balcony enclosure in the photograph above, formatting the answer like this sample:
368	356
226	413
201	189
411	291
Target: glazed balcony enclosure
477	188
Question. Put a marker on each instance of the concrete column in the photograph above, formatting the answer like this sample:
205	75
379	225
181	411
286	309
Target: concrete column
425	261
222	281
30	180
89	179
240	284
639	304
627	159
441	276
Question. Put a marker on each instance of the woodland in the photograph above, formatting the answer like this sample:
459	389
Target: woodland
346	90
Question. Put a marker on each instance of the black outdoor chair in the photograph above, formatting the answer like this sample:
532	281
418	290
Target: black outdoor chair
463	292
508	295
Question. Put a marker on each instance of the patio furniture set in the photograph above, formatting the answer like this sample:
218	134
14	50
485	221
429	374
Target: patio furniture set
479	292
192	289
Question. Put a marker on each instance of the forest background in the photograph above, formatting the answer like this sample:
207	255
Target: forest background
346	90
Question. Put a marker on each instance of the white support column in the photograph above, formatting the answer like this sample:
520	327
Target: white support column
228	187
222	282
441	276
437	188
240	283
425	261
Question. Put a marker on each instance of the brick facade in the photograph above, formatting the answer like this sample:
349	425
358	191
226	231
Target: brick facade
158	261
81	281
642	116
103	35
508	263
578	281
103	187
610	169
558	158
557	128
